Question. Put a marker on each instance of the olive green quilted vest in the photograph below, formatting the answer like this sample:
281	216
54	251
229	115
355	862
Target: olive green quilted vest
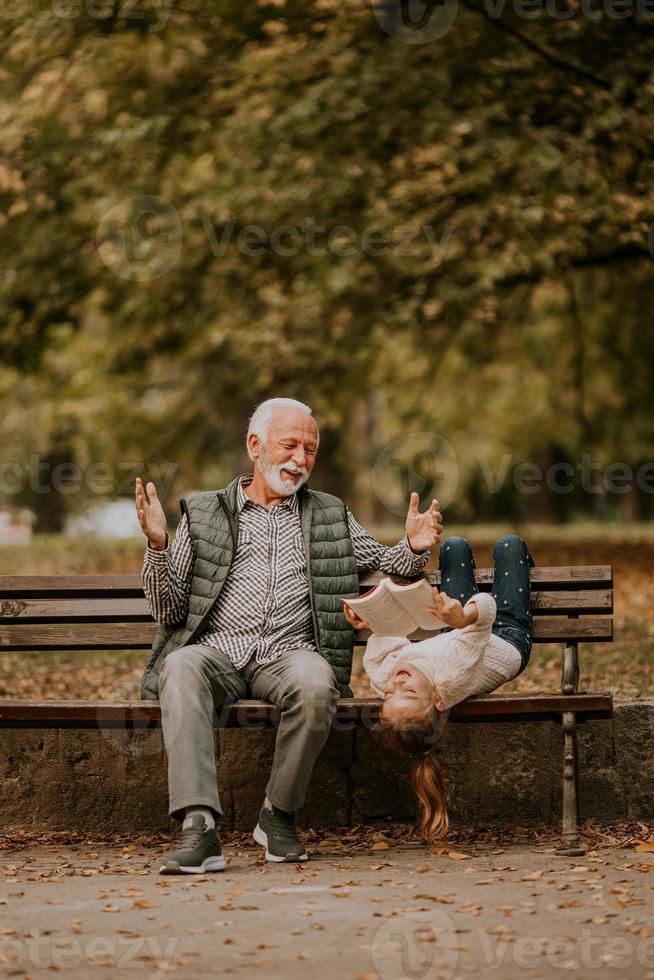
331	572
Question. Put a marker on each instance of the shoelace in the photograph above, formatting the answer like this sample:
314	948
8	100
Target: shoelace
191	836
283	823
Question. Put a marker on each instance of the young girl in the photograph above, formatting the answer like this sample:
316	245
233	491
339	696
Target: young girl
488	642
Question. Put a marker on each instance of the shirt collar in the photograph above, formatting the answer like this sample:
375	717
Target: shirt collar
242	498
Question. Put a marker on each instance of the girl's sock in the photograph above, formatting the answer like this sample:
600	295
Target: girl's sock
207	813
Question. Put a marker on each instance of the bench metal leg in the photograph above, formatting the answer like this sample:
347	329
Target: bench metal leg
570	676
570	843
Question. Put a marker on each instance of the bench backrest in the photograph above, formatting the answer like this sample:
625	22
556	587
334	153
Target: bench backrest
109	612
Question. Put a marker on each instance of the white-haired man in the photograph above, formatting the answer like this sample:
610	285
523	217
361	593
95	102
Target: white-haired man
249	601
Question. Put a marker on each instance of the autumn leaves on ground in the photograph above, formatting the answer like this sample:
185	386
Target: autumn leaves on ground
369	905
625	666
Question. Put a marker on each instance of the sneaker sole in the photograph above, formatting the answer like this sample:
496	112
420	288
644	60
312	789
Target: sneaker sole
261	837
209	864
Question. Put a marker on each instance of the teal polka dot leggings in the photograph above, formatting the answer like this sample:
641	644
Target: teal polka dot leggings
511	587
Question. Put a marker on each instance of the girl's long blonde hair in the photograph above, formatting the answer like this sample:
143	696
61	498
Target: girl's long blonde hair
428	777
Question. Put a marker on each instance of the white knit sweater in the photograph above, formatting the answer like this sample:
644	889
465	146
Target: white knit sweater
460	663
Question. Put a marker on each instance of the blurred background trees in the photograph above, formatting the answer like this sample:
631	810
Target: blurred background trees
487	196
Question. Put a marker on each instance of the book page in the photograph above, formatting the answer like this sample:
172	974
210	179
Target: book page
383	612
414	598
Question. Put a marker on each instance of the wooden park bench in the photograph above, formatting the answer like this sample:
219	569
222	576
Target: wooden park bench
570	604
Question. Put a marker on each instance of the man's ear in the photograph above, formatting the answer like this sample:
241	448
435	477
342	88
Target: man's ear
254	445
438	704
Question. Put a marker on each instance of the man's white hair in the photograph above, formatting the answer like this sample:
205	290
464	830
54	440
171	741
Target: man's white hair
263	413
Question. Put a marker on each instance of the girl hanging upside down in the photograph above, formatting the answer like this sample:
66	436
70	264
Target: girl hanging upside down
486	644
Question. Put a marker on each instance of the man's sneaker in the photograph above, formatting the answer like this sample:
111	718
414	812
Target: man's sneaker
276	832
199	851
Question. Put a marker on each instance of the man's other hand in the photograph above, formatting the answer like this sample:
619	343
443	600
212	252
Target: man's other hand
423	530
151	514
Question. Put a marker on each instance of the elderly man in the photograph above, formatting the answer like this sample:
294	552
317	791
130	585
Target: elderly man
248	598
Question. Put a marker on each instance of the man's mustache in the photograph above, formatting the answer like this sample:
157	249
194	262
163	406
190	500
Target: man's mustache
291	469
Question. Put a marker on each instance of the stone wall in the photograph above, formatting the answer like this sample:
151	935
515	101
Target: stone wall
113	781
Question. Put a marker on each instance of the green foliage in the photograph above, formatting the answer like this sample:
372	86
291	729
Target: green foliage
519	321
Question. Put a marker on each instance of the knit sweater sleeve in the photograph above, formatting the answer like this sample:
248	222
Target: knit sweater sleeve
375	663
487	611
467	650
470	642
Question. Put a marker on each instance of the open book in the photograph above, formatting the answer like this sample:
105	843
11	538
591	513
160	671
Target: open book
397	610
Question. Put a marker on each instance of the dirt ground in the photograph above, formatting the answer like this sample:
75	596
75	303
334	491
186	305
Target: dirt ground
371	909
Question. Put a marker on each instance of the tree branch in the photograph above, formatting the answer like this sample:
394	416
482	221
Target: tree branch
622	253
542	52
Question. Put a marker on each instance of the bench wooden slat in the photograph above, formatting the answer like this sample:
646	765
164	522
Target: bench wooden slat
78	636
556	577
546	577
244	714
80	586
138	636
130	586
586	629
582	602
134	610
589	629
75	610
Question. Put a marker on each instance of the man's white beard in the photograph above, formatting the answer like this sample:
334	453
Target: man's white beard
272	474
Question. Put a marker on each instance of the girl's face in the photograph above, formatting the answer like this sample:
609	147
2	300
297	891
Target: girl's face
408	694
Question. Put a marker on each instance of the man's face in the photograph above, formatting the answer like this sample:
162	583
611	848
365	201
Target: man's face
287	456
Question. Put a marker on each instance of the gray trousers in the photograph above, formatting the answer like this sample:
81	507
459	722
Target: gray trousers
198	677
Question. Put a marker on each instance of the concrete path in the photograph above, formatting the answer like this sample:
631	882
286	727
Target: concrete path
397	913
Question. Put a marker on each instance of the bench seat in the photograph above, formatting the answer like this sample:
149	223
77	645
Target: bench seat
32	713
80	613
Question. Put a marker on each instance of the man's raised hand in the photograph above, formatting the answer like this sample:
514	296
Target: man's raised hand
423	530
151	514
